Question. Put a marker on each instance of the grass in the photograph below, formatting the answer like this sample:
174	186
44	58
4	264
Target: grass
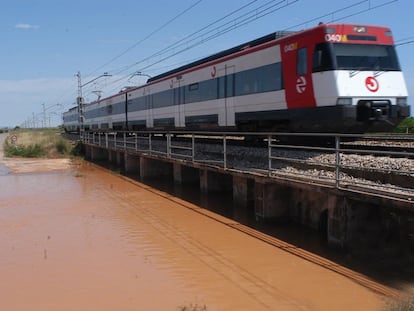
45	143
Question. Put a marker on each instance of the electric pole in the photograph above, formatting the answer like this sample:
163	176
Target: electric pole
79	102
44	124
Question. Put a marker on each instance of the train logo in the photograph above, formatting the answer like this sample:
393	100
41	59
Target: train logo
372	84
301	85
213	72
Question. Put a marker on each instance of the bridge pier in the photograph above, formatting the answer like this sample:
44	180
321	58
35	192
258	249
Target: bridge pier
211	181
243	191
152	168
96	153
112	157
271	201
132	164
185	174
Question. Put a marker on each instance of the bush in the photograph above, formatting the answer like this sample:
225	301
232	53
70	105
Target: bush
62	146
30	151
78	149
37	143
406	126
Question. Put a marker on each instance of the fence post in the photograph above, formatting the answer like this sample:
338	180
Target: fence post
225	151
169	145
192	147
269	153
337	161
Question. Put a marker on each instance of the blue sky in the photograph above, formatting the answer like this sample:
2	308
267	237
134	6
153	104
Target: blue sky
46	42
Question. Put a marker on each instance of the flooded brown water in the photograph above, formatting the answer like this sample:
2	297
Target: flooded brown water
83	238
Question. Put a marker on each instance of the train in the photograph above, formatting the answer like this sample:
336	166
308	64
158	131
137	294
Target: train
339	78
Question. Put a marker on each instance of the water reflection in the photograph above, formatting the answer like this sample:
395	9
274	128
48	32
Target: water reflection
288	231
222	204
89	240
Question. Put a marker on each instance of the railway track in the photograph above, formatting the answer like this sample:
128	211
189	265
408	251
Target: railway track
393	146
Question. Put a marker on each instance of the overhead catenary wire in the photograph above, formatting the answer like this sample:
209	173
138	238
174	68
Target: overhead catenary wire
123	53
236	23
253	14
148	36
206	34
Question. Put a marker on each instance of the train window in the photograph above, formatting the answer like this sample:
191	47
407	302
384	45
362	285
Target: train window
322	58
221	87
163	99
118	108
263	79
366	57
302	64
137	104
193	87
201	91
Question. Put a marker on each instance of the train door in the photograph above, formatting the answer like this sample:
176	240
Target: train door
179	107
227	112
126	124
107	124
148	105
297	74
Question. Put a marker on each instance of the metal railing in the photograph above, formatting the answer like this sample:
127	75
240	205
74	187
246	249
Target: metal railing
365	162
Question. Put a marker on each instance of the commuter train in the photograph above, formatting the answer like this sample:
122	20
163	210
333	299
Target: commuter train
331	78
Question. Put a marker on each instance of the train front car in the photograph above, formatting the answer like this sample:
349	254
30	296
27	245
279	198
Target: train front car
351	75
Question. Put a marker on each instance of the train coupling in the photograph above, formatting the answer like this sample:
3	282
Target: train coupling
373	110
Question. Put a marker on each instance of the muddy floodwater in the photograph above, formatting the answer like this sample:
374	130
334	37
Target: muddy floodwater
79	237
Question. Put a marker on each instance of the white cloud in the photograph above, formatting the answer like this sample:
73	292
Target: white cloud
26	26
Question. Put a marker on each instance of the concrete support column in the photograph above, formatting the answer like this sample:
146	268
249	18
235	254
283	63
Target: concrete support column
88	152
185	174
120	157
337	222
214	182
112	157
271	201
98	154
243	190
150	168
132	164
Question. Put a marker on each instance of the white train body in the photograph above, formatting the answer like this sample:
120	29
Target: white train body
331	78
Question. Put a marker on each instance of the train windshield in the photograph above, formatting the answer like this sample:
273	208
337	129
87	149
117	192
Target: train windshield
361	57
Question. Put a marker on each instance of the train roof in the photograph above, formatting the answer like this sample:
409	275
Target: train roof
256	42
72	109
261	40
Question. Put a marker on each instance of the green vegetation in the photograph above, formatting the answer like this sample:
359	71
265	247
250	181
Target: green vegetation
37	143
406	126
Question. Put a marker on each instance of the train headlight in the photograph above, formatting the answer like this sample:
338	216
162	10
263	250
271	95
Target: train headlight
344	101
402	101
